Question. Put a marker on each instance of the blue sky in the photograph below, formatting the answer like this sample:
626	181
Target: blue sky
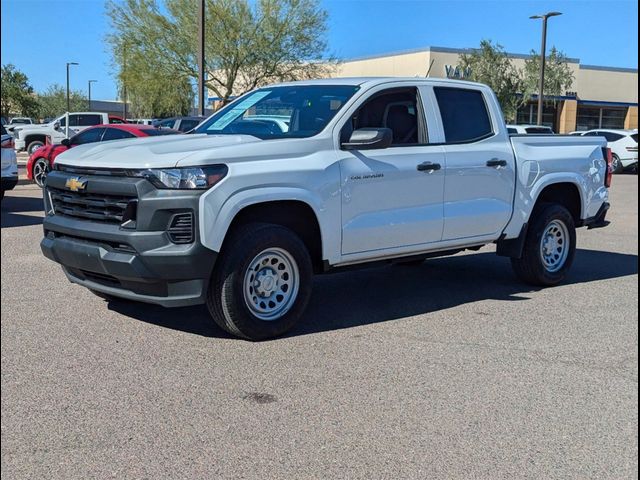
39	36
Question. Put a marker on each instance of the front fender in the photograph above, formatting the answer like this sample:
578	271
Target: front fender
215	220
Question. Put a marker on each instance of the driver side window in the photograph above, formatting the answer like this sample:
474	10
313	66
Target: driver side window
396	109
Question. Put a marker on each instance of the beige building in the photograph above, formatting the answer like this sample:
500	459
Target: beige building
601	97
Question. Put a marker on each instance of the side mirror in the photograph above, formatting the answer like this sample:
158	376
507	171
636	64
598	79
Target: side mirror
56	126
369	139
66	142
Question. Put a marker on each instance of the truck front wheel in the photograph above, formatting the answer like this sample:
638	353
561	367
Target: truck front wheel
261	283
549	247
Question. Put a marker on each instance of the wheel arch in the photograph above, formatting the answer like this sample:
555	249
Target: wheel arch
565	193
34	137
295	209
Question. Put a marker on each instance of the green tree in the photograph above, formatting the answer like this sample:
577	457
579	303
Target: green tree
491	65
53	101
248	43
558	76
17	95
150	91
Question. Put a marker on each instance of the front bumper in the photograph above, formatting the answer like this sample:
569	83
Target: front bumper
140	262
19	145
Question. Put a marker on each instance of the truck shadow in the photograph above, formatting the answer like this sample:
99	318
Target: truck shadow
18	211
373	295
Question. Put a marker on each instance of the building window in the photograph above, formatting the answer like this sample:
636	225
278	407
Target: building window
613	117
528	115
590	118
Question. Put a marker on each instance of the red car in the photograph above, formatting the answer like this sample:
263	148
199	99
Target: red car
41	161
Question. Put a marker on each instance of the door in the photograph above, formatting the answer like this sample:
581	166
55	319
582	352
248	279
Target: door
480	164
390	197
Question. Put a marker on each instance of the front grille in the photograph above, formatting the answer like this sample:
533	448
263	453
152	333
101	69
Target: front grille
91	206
113	172
181	228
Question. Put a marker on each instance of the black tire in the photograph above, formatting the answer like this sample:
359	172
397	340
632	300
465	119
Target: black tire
616	164
40	170
33	146
225	296
531	267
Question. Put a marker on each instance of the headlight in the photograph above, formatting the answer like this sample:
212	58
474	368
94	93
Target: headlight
189	178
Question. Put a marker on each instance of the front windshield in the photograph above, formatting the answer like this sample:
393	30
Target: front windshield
280	112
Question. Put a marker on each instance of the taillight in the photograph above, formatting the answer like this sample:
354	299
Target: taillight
609	175
8	143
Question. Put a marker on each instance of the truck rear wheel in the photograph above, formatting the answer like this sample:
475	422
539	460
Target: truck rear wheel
261	283
549	247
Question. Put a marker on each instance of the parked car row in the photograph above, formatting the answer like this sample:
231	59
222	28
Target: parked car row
623	145
182	124
41	160
529	130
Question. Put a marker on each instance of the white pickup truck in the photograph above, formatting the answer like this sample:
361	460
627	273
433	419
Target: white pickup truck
240	214
33	137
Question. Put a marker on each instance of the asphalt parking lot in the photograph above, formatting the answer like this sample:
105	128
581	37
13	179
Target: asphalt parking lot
448	370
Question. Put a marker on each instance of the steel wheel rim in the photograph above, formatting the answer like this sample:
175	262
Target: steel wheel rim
36	147
554	246
271	283
40	171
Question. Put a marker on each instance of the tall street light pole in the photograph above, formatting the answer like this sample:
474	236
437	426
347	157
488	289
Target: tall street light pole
90	82
201	65
68	100
543	54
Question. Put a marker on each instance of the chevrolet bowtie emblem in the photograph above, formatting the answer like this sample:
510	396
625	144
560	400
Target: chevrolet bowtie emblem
76	184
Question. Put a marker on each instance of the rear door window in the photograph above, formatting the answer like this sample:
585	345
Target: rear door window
84	120
464	113
90	135
116	134
612	137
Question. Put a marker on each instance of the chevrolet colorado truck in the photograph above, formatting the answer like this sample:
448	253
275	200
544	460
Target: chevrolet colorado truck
240	214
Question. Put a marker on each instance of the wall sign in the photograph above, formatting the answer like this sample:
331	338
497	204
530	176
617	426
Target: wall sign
456	71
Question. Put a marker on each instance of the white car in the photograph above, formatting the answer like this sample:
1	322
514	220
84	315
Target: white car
623	145
239	216
529	130
9	162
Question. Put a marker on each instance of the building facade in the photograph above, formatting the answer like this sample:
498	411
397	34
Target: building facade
601	97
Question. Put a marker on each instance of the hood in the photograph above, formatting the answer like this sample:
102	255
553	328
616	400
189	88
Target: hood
150	152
